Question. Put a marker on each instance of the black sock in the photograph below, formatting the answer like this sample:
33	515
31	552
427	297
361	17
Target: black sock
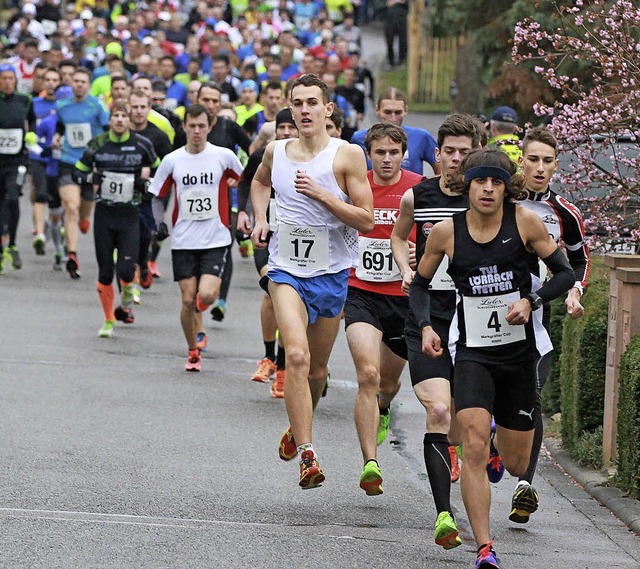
438	463
383	411
270	350
280	358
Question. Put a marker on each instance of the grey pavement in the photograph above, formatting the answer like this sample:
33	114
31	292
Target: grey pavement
112	456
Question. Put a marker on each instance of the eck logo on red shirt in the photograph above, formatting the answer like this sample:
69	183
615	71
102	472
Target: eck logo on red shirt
385	216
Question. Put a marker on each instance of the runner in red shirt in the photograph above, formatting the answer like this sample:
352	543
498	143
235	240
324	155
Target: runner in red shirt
376	305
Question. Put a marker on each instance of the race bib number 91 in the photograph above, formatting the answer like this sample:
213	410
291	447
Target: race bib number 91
485	320
117	187
303	247
376	261
197	204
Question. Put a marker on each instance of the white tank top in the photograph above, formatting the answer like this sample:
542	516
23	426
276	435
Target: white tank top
309	240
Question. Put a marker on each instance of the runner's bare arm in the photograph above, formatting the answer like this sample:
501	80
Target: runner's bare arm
400	239
260	194
350	170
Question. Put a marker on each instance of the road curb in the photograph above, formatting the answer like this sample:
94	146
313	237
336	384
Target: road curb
625	508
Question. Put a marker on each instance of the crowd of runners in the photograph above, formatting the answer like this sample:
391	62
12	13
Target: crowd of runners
209	126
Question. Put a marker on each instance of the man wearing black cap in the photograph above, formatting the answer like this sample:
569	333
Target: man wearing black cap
270	365
503	128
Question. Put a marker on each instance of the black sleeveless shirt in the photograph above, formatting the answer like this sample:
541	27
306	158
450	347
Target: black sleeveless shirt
489	277
431	205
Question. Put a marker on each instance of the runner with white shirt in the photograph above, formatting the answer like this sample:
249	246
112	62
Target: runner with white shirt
322	200
200	219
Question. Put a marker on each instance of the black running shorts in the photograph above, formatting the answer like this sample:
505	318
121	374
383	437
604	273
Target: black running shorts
507	391
188	263
384	312
422	366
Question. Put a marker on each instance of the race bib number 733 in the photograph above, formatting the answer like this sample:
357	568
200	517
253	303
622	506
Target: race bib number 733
197	204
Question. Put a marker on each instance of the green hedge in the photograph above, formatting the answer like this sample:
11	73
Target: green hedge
551	390
628	477
582	370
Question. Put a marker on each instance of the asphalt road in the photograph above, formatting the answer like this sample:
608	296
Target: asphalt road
112	456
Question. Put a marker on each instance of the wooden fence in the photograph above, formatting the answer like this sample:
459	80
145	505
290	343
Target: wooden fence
431	80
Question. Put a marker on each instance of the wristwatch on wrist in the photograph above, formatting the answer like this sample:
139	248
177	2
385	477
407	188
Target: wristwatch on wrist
534	300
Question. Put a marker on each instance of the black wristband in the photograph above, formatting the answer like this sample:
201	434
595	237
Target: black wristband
420	301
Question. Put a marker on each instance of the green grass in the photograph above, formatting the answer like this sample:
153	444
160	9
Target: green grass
398	78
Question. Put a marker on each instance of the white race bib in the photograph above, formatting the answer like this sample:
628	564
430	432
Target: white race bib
376	261
303	247
117	187
78	134
10	140
441	279
485	320
197	204
273	215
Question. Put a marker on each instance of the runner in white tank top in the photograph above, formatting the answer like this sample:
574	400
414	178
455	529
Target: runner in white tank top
323	199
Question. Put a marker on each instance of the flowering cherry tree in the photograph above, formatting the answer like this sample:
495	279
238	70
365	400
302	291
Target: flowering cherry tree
592	62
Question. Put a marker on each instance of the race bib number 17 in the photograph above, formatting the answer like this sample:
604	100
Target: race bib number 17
303	247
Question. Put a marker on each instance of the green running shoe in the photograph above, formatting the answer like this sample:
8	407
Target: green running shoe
107	329
446	532
127	295
383	426
371	479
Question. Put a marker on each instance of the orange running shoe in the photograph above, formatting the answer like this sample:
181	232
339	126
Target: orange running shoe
153	269
193	361
201	306
287	449
311	475
146	278
202	341
277	387
84	226
455	464
266	370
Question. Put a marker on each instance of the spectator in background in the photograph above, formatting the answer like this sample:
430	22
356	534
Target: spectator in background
230	86
176	92
503	127
395	26
248	99
353	95
349	31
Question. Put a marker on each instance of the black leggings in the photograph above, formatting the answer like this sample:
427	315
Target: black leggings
543	367
116	228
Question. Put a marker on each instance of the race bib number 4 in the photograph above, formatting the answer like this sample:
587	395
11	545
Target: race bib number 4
485	320
117	187
197	204
303	247
78	135
10	140
376	261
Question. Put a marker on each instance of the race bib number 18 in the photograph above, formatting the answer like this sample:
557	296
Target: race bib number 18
485	320
196	204
78	135
303	247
